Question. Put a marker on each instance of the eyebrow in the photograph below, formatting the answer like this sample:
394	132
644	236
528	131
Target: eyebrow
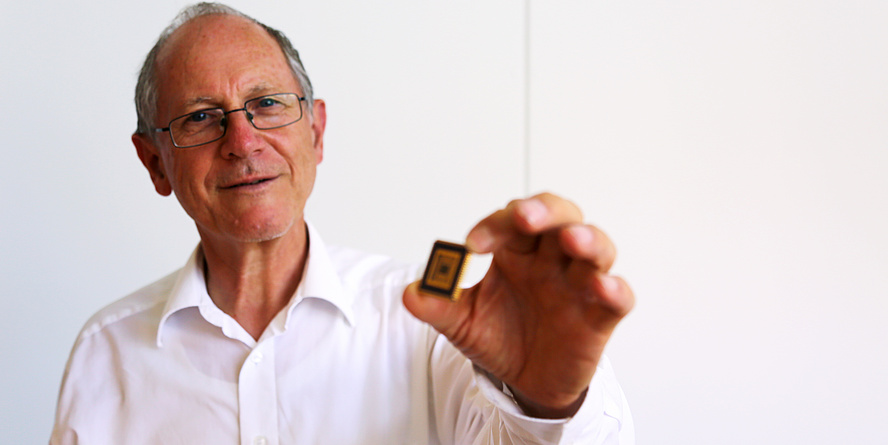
256	91
259	90
196	101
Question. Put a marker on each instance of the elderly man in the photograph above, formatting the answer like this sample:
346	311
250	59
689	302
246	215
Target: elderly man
267	336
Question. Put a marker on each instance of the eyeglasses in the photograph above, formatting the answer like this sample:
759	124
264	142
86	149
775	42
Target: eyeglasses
208	125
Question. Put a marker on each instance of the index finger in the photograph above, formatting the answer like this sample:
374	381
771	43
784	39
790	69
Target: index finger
518	225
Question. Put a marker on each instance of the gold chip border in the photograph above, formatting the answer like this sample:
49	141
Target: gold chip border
453	291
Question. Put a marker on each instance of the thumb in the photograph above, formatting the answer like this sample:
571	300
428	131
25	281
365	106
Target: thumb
444	315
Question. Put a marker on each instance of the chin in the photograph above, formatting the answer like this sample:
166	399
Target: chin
267	229
261	238
262	234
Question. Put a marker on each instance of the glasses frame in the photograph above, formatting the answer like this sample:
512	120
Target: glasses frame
249	116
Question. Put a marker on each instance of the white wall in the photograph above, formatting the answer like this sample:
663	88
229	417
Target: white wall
737	151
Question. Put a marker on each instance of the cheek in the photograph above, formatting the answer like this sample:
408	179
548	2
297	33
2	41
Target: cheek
308	164
298	150
187	174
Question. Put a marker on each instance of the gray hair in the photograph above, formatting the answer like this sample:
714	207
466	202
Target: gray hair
146	86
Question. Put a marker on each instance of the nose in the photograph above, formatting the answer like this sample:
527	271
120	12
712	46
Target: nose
241	138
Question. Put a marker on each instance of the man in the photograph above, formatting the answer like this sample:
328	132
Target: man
267	336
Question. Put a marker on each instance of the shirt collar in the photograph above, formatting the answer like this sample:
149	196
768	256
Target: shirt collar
189	290
320	280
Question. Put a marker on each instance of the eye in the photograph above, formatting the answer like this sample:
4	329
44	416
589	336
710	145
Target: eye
198	116
266	102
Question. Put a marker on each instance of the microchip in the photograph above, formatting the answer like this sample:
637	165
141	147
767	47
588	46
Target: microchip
444	270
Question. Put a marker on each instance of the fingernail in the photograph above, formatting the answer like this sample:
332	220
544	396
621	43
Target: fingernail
480	240
610	283
532	210
581	234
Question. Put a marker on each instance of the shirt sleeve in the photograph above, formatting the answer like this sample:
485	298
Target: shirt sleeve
470	409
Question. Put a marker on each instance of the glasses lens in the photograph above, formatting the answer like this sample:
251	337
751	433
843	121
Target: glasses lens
274	111
197	128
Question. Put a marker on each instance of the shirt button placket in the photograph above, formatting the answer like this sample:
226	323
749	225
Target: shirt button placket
257	397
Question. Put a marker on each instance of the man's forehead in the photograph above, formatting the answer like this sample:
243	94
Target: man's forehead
216	52
215	30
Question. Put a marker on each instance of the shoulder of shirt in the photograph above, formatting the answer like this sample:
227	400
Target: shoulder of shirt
144	299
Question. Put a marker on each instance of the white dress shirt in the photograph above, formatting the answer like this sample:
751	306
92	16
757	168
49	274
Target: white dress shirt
343	363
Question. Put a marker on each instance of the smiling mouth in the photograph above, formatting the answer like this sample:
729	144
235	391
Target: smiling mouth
247	184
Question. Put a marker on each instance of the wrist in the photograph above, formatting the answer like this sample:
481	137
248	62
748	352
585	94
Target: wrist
540	411
531	407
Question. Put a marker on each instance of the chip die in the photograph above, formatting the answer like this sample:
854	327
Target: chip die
444	270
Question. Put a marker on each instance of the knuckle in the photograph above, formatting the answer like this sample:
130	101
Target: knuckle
546	196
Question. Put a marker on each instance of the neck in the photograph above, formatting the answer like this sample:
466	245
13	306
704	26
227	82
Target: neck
253	281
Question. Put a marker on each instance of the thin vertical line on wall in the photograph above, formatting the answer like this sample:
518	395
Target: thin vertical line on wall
526	97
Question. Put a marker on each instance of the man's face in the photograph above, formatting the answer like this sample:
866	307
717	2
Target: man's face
251	185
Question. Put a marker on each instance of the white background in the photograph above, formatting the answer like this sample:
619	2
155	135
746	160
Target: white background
737	152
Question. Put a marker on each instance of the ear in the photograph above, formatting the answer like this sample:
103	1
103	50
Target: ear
318	124
149	153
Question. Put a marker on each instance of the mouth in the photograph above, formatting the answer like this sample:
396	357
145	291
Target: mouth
247	183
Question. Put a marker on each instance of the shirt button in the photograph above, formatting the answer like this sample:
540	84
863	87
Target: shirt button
257	358
260	440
